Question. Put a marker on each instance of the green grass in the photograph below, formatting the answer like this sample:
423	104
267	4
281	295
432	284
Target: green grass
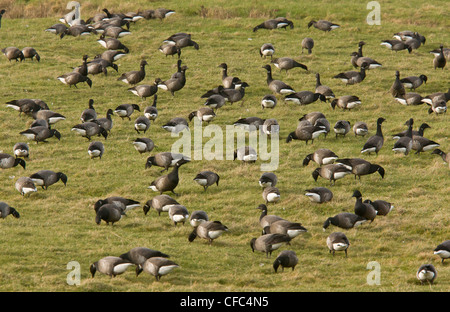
57	226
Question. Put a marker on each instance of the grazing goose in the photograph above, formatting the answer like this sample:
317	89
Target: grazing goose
321	156
216	101
269	101
445	156
342	127
78	30
414	82
227	81
143	145
178	214
410	98
344	220
443	250
277	86
267	49
308	44
268	179
203	114
126	110
265	219
360	167
89	114
49	116
353	77
123	202
45	178
183	41
331	172
100	65
287	63
360	128
165	160
141	123
115	32
381	206
322	89
106	122
170	49
235	95
267	243
396	45
291	229
404	143
135	76
112	44
41	134
7	161
176	37
197	217
338	241
110	213
162	13
89	129
111	266
375	142
422	144
270	127
207	178
57	29
26	106
323	25
306	131
25	185
246	154
6	210
161	203
426	273
363	209
209	230
21	149
158	266
319	194
169	181
438	106
271	194
346	102
151	112
110	56
249	123
31	53
280	22
176	124
286	259
304	97
74	78
96	149
405	35
358	61
13	53
40	122
324	124
139	255
312	117
440	61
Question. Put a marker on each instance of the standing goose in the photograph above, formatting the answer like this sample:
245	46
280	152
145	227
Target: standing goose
277	86
144	91
364	210
6	210
360	167
8	161
286	259
110	213
125	110
25	185
375	142
306	131
291	229
396	45
338	241
158	266
111	266
269	101
445	51
268	179
209	230
89	114
413	82
151	112
207	178
322	89
89	129
267	49
323	25
141	123
178	214
165	160
445	156
404	144
274	24
173	84
344	220
267	243
397	88
13	53
308	44
426	273
227	81
139	255
271	194
440	61
331	172
96	149
287	63
353	77
21	149
161	203
246	154
443	250
346	102
74	78
319	194
143	145
321	156
216	101
358	60
265	219
304	97
45	178
342	127
197	217
41	134
169	181
381	206
106	122
31	53
135	76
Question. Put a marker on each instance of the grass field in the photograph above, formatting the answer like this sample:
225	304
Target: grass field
57	225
